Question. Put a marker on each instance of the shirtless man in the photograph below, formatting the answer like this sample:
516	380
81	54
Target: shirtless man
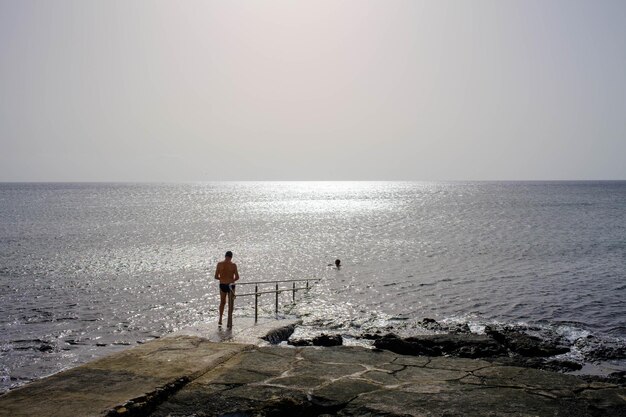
226	272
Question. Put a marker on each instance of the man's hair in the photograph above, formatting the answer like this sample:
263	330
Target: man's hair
229	254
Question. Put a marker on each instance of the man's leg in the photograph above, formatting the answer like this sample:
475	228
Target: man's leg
231	302
222	303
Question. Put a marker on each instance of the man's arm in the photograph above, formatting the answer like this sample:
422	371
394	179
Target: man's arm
236	273
217	271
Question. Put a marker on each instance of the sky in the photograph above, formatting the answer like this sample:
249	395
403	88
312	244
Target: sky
312	90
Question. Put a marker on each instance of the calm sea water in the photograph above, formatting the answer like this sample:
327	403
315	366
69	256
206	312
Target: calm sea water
86	269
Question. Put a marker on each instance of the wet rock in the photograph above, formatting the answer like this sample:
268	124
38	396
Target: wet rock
554	365
530	346
319	340
371	336
328	340
619	375
465	346
46	347
434	325
595	350
510	346
299	342
461	328
617	378
279	335
561	365
430	324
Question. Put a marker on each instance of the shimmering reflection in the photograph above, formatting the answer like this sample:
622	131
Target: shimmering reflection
90	268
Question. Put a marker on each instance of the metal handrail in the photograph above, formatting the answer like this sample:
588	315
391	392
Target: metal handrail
272	292
274	282
277	291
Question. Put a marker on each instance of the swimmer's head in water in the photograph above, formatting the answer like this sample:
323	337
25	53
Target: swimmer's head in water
229	254
337	262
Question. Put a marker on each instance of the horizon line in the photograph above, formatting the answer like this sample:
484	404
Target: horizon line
297	180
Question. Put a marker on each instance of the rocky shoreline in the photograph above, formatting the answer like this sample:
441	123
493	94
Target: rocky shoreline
510	345
201	371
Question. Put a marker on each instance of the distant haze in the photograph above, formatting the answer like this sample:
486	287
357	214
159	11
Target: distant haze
319	90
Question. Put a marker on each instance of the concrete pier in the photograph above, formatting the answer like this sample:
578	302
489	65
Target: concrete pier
203	371
140	376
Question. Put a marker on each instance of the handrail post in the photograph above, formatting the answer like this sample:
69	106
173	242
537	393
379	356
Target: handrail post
276	310
294	292
307	284
256	303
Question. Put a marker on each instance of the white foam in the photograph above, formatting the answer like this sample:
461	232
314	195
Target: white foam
572	334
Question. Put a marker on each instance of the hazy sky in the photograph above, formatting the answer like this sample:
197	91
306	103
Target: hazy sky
320	90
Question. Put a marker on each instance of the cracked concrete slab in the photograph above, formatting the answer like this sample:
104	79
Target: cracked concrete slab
353	381
94	388
137	378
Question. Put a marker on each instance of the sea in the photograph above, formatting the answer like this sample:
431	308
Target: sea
87	269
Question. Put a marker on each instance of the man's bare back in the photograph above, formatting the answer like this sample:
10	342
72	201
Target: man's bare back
226	272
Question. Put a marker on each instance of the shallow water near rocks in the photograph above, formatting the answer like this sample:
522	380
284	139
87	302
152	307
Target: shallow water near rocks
88	269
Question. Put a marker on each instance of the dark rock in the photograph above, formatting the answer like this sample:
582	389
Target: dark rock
460	328
434	325
618	374
524	344
279	335
430	324
554	365
596	350
328	340
46	347
299	342
319	340
617	378
371	336
561	365
465	346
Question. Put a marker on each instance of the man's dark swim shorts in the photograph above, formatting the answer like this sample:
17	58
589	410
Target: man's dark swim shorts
225	288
